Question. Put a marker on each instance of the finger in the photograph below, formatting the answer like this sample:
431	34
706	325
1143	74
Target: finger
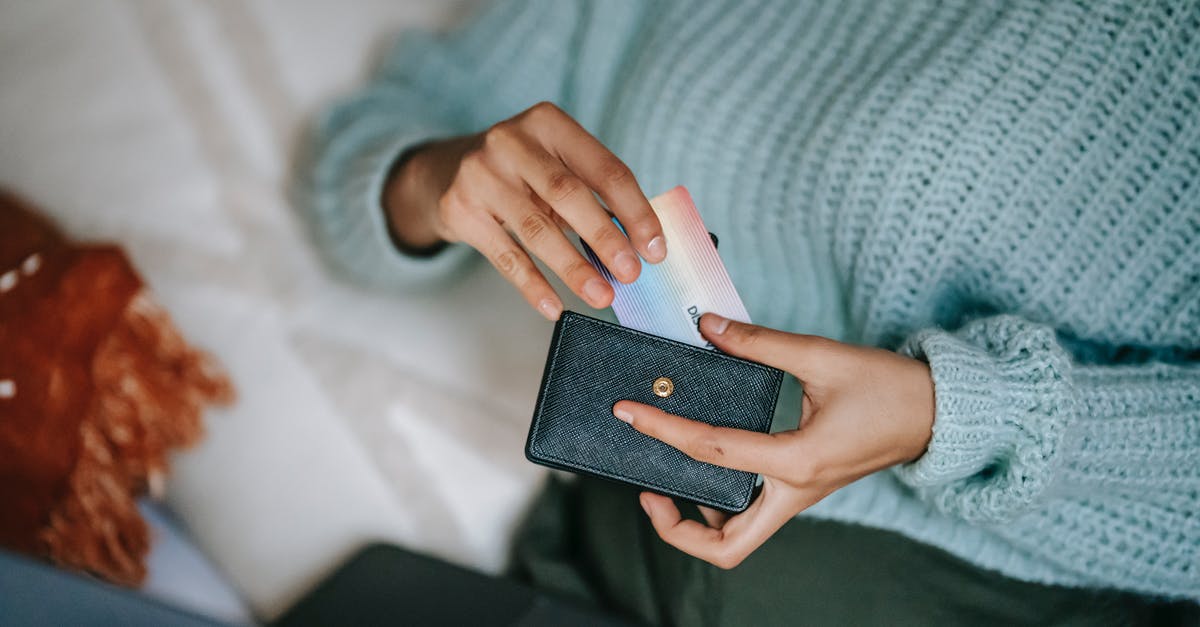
807	408
686	535
568	196
715	518
548	210
731	448
539	233
798	354
542	237
585	155
489	238
725	547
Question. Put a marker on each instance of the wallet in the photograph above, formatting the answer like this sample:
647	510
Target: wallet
593	364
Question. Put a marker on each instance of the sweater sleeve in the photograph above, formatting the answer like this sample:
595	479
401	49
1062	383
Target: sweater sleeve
1025	435
512	55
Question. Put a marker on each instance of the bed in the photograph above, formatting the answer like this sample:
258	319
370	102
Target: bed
168	126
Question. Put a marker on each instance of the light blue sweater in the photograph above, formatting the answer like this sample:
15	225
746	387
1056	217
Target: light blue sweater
1010	192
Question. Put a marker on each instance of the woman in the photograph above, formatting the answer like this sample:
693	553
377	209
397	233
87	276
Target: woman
999	200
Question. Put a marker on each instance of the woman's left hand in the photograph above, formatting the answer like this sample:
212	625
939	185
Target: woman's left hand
864	409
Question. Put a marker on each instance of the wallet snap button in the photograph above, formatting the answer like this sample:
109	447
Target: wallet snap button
663	387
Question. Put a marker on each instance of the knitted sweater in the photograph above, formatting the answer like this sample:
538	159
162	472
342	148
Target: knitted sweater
1008	191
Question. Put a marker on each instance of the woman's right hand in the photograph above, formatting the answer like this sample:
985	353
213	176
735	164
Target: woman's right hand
523	182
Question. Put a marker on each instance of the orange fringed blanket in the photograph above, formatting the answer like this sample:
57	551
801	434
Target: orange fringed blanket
96	386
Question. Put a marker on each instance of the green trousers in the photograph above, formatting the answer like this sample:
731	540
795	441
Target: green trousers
589	540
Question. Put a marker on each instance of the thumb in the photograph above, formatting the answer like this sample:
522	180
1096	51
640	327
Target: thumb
797	354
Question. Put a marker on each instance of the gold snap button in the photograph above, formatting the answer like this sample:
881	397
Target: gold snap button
663	387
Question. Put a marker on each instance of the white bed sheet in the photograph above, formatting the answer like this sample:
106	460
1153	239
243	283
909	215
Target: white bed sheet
167	126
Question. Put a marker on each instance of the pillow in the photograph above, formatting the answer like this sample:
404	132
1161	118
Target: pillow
96	387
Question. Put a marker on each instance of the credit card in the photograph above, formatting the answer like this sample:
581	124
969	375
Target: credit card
668	298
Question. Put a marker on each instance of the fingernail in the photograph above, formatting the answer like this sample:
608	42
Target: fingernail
718	325
626	263
644	504
550	309
596	290
657	249
623	415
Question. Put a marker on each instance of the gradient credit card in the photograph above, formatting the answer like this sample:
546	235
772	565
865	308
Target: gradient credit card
668	298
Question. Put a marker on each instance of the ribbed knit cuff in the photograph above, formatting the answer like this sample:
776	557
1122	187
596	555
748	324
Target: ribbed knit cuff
1003	402
345	205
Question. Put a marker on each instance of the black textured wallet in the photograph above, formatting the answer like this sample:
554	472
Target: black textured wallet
593	364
